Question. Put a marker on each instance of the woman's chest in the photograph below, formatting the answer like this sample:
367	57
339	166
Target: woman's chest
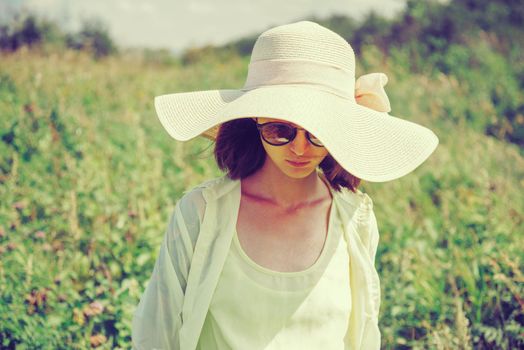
283	242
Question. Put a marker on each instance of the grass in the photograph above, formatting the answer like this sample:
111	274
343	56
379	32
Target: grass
88	178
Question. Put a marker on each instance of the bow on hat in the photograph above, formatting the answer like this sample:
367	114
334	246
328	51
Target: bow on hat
369	92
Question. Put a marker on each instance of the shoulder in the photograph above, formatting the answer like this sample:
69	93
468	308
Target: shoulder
215	188
356	199
200	204
202	194
357	206
199	191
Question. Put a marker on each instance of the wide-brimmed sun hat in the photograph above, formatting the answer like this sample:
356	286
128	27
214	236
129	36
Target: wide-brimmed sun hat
304	73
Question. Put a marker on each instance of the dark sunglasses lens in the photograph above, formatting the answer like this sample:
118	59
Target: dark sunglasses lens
315	140
277	134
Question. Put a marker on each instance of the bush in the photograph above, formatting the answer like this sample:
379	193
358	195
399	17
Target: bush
30	31
94	37
25	31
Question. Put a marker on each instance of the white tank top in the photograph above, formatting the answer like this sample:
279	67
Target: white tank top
254	307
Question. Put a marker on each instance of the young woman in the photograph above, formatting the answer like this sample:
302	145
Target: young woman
279	252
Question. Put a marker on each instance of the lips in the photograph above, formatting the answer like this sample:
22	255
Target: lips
297	163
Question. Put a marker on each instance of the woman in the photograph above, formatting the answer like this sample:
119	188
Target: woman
279	253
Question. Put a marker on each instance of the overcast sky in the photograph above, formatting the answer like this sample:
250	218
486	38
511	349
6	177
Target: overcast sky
178	24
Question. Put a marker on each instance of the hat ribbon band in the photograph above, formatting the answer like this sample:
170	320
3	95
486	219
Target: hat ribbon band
275	72
367	91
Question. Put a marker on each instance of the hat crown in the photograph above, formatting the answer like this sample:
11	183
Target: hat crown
304	40
302	53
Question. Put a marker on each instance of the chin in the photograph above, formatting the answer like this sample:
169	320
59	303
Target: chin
298	173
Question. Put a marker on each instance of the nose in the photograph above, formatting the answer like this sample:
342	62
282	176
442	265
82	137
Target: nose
300	143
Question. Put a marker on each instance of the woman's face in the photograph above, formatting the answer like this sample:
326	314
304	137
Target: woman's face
299	150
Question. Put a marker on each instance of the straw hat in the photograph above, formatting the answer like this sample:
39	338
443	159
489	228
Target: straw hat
304	73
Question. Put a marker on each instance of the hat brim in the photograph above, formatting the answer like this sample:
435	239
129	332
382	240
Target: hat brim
371	145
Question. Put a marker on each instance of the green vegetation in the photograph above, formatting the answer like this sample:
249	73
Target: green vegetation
88	179
30	31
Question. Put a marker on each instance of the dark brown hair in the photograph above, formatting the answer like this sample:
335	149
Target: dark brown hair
239	152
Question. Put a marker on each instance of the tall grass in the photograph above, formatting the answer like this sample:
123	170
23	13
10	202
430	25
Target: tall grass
88	178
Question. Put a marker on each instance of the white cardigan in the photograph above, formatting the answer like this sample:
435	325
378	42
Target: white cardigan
174	305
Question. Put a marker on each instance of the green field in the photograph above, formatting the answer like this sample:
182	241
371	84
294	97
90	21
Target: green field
88	179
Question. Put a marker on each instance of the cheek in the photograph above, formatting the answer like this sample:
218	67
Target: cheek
321	154
277	154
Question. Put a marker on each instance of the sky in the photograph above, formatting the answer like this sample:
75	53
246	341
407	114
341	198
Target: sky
180	24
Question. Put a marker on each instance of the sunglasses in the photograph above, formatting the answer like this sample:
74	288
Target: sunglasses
279	134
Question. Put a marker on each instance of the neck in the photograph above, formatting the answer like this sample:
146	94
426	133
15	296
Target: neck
271	185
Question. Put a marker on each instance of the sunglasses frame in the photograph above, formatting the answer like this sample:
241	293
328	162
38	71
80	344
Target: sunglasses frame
295	132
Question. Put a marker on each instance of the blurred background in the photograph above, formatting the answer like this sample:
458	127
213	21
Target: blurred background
89	178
